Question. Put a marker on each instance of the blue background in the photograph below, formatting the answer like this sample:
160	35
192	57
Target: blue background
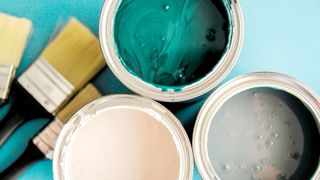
280	35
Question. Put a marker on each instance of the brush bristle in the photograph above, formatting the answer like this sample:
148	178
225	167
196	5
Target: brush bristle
75	53
88	94
14	33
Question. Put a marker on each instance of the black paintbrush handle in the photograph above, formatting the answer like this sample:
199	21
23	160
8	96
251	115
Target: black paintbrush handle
24	108
29	156
2	102
8	127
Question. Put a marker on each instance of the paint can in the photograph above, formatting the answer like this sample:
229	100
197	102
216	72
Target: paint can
160	128
181	93
276	109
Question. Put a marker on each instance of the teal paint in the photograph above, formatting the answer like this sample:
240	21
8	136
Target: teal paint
171	44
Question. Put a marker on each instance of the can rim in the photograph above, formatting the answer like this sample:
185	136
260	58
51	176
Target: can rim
191	91
231	88
151	107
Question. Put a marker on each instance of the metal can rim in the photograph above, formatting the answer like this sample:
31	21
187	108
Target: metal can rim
154	109
239	84
189	92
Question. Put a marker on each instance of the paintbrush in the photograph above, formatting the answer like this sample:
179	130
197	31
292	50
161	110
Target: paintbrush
43	144
14	33
64	67
46	139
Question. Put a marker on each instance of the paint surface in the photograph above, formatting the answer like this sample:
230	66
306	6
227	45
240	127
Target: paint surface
171	43
122	143
263	134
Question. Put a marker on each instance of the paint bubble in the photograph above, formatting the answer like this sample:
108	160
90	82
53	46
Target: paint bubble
287	124
293	156
257	168
254	177
274	116
227	167
260	136
263	161
211	36
166	7
243	166
270	143
180	75
276	135
282	176
170	90
142	44
163	38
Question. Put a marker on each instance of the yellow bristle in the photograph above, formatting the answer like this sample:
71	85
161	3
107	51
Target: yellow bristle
88	94
75	53
14	33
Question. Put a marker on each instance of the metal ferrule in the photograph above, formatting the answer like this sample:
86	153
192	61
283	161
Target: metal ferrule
7	74
46	85
46	140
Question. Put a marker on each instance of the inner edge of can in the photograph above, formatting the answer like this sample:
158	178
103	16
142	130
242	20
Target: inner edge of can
235	86
202	86
153	108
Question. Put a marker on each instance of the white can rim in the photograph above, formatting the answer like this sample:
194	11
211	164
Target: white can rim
235	86
151	107
194	90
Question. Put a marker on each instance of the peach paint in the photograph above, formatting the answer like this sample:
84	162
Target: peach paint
122	143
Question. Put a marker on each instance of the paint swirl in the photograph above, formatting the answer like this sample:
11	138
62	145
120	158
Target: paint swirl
171	43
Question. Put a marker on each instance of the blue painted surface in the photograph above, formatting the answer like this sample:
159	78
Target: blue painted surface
5	108
279	36
47	17
282	36
18	142
40	170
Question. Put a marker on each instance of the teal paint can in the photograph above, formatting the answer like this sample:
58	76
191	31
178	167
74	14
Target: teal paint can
171	51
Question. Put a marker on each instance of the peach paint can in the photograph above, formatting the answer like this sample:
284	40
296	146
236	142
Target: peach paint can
123	137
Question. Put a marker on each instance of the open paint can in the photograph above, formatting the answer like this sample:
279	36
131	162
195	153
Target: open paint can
259	126
171	51
123	137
